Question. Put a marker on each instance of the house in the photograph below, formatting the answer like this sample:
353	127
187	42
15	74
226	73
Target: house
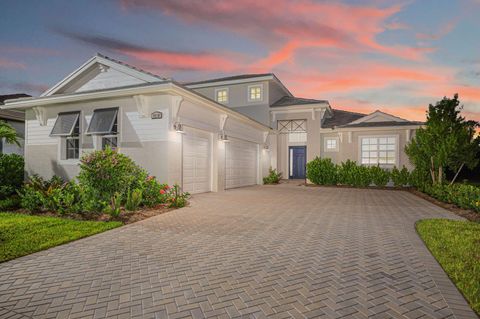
16	119
206	136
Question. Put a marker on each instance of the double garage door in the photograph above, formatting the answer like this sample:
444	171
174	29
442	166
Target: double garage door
240	162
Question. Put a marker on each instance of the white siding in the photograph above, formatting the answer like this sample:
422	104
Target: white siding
147	129
109	79
40	135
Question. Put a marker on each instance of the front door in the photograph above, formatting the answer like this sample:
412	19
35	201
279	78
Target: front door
297	161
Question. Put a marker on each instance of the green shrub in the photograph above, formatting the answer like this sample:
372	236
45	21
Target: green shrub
114	208
106	173
273	177
322	171
380	177
10	203
420	179
11	174
176	197
134	199
363	177
400	178
153	193
463	195
50	195
346	173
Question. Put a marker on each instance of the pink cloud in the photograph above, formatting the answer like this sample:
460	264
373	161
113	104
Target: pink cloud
9	64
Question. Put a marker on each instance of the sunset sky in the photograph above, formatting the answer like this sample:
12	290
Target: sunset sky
397	56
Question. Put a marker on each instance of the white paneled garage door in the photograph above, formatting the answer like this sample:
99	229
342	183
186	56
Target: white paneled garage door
196	162
241	164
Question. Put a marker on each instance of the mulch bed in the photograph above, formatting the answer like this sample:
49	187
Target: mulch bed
125	217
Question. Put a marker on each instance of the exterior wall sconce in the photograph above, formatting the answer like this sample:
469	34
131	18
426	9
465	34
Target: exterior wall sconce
223	137
178	128
265	146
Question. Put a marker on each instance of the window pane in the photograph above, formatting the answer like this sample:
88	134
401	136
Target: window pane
65	124
72	148
102	121
382	140
365	141
110	142
391	140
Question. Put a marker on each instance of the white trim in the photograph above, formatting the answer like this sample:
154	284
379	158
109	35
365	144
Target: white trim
380	128
101	60
374	114
325	144
397	150
222	89
165	88
262	93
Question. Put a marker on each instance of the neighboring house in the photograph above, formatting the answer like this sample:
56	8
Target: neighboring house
206	136
16	119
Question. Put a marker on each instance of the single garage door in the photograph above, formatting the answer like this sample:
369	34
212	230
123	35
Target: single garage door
196	162
241	164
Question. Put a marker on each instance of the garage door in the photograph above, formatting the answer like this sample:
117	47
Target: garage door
196	162
241	164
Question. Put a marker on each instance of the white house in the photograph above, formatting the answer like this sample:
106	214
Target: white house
206	136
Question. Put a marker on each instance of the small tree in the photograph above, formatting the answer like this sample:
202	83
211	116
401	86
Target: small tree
8	133
446	141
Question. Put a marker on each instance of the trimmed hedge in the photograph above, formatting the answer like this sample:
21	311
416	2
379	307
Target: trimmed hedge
463	195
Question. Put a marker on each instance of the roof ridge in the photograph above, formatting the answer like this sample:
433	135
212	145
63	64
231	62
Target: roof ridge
334	109
231	77
129	66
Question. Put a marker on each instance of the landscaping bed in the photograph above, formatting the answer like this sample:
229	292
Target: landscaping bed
22	234
456	247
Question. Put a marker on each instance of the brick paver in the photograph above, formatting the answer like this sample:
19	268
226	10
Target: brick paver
266	251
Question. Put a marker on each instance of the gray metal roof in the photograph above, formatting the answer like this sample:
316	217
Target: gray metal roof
341	117
130	66
230	78
291	100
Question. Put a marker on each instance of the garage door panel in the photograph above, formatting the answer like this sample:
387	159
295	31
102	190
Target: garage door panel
241	164
196	162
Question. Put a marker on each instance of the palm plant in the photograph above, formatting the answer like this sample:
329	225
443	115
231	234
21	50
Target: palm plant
8	133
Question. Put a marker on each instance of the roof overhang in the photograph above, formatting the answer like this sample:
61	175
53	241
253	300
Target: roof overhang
307	108
378	128
167	87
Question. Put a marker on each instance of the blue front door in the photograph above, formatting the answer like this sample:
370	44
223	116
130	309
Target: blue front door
297	161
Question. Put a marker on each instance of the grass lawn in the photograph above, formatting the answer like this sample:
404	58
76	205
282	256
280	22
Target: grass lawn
456	246
24	234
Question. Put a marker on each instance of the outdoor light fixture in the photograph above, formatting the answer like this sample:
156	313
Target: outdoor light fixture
265	147
223	137
178	128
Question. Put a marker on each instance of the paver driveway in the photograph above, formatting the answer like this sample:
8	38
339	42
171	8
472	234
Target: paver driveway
266	251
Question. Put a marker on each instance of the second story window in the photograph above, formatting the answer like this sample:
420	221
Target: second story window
255	93
221	96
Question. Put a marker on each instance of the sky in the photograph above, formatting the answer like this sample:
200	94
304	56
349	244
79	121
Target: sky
396	56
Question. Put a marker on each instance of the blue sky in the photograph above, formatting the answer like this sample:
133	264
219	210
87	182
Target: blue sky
396	56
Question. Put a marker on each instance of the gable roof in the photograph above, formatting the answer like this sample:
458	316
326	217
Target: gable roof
341	117
15	115
291	100
107	61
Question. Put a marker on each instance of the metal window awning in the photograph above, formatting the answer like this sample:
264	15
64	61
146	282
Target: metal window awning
65	124
102	121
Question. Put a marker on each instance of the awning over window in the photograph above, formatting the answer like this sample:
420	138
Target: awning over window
65	124
102	121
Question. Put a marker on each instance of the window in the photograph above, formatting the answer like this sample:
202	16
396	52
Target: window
67	126
72	143
379	150
111	139
103	121
255	93
221	96
331	144
296	130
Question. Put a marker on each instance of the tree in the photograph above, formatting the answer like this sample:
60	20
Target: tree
8	133
446	141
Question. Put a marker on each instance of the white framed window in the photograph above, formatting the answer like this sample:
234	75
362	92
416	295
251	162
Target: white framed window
104	124
379	150
67	127
111	140
255	93
221	95
331	144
